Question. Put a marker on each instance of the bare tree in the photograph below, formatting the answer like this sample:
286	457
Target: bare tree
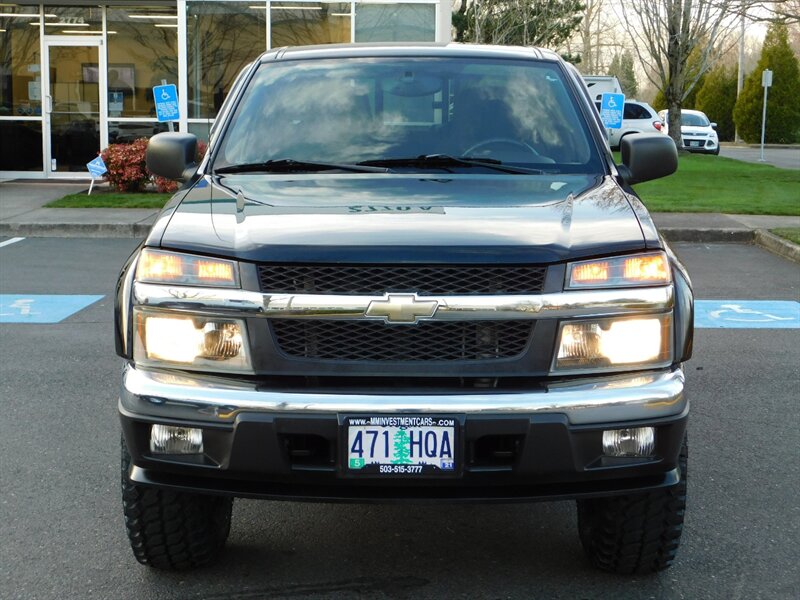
666	32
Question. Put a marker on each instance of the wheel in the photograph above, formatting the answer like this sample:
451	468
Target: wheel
500	140
636	533
173	530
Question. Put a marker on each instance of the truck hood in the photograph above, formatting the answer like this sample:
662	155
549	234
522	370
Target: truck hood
392	218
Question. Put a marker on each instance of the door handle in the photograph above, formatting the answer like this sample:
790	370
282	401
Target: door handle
49	104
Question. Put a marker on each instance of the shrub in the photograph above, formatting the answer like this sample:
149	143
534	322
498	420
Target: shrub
169	186
127	171
783	109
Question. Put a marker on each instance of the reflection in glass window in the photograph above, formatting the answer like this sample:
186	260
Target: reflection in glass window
351	110
73	20
301	24
222	38
142	50
127	132
20	70
395	23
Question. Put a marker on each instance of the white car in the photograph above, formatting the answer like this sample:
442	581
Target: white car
637	117
698	134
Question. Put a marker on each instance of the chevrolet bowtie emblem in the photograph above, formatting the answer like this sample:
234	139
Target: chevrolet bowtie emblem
401	308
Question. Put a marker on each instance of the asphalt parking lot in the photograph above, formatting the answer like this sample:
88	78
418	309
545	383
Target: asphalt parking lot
61	531
785	158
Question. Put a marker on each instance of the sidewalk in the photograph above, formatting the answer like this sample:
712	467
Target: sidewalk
22	215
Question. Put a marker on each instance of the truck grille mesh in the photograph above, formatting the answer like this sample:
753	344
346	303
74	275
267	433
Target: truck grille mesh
426	341
379	279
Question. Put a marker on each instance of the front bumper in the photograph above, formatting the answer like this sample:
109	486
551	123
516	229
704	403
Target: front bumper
543	444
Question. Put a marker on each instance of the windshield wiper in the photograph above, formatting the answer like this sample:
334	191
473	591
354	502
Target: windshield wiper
445	160
289	165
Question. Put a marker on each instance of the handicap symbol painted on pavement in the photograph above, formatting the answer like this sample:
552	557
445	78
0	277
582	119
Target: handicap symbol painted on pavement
35	308
743	314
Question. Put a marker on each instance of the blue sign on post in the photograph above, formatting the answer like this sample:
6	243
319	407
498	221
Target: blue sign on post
166	99
612	107
97	168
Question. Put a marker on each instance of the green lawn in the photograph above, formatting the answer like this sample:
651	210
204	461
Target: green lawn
111	200
702	184
705	183
791	233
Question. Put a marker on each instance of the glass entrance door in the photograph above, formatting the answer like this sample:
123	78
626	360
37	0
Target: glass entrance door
72	105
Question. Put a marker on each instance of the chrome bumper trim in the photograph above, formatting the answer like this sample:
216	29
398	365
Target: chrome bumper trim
159	395
584	303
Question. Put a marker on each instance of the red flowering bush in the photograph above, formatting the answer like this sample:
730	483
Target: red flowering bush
169	186
127	168
127	171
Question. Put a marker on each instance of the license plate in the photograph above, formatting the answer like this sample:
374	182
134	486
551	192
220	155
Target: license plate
392	446
694	144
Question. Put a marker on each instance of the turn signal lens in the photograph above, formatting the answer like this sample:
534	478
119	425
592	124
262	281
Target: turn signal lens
158	266
642	269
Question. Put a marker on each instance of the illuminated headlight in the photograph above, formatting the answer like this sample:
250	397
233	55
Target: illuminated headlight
614	344
160	266
210	343
621	271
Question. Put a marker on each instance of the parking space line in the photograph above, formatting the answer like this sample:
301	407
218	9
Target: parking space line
11	241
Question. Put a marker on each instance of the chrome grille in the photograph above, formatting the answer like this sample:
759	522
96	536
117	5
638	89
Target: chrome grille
426	341
379	279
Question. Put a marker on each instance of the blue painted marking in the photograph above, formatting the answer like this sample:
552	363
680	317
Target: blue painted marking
166	99
612	107
33	308
747	314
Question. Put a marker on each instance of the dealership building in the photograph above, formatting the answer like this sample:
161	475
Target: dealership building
75	77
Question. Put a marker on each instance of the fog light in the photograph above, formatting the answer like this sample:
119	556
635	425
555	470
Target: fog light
636	441
166	439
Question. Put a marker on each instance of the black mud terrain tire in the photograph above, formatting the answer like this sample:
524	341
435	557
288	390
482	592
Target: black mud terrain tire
636	533
173	530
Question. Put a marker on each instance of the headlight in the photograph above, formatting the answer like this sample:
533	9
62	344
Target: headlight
621	271
210	343
614	344
159	266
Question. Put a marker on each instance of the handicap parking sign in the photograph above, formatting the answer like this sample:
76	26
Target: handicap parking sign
612	107
96	167
166	99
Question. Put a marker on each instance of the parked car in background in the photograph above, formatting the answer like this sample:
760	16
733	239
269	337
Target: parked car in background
698	133
637	117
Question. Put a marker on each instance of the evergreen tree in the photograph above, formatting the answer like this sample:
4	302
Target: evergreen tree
622	68
783	103
717	99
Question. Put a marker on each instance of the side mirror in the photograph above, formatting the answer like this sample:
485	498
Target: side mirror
713	126
647	156
172	155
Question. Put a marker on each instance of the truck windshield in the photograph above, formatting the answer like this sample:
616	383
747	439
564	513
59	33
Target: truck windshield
364	111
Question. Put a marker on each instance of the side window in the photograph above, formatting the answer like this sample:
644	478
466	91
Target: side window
634	111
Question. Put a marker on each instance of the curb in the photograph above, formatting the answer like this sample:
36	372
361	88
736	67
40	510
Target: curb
707	235
777	245
75	230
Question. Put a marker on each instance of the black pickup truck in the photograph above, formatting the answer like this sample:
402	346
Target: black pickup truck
406	273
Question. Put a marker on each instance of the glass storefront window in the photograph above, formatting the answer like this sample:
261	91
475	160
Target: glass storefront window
130	131
20	145
73	20
307	23
142	50
395	22
20	62
222	38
